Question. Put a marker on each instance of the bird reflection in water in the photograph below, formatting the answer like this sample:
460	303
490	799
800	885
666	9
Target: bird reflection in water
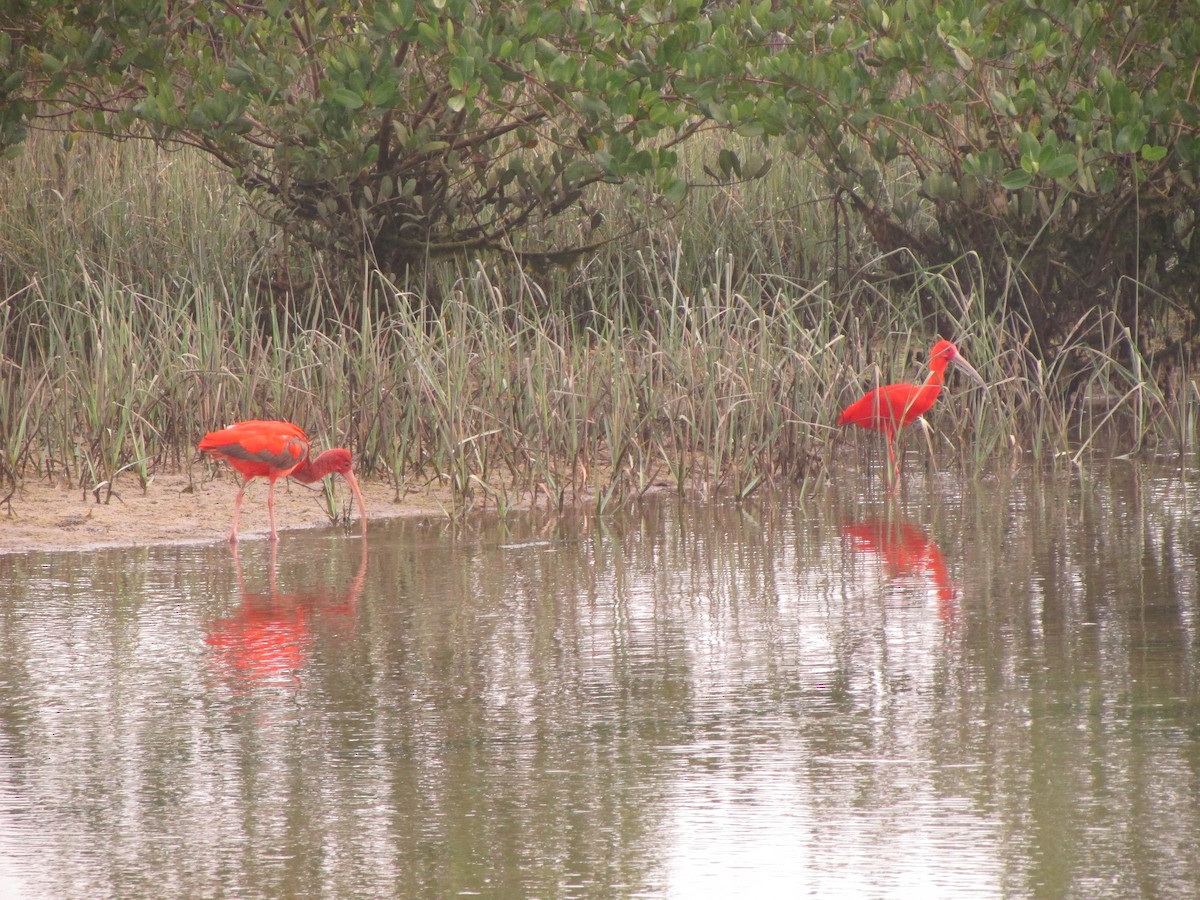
906	552
268	638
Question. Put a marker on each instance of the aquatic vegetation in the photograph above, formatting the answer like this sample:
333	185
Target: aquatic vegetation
142	308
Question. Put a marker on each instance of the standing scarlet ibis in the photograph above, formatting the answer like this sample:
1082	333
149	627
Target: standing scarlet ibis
891	407
263	449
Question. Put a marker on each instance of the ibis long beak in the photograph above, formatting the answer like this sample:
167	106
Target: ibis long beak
970	370
362	506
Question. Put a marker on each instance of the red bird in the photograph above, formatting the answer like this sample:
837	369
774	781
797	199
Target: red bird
262	449
891	407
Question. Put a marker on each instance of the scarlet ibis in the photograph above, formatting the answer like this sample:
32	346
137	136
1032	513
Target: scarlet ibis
271	450
891	407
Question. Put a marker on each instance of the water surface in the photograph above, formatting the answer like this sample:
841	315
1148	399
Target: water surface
979	689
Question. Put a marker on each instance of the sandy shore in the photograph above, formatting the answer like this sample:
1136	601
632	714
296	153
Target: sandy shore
41	516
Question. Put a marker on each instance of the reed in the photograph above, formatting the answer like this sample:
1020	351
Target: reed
143	306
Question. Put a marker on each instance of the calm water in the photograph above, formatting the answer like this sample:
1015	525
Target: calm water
987	690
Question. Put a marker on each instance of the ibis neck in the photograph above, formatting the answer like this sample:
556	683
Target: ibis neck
937	372
314	469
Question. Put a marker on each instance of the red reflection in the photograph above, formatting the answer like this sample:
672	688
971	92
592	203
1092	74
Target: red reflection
906	552
269	635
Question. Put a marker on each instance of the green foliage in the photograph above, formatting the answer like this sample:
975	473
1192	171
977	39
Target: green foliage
1057	142
398	129
1050	147
142	310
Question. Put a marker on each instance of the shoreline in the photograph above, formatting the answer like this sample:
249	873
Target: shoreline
181	509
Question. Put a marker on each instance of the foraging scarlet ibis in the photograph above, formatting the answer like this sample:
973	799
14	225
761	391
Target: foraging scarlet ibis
264	449
891	407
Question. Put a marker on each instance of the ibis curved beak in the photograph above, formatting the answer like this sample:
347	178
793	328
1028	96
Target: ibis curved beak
362	506
962	363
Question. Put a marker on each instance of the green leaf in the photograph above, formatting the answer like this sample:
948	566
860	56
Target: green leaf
1029	145
1153	153
462	70
729	163
1016	179
1130	138
1120	99
1061	166
675	190
383	93
347	98
1003	104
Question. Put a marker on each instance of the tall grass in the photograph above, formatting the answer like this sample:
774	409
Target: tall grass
143	305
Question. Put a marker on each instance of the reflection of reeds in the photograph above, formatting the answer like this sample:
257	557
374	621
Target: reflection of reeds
142	306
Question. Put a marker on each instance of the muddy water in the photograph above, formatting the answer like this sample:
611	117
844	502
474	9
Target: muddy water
985	689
